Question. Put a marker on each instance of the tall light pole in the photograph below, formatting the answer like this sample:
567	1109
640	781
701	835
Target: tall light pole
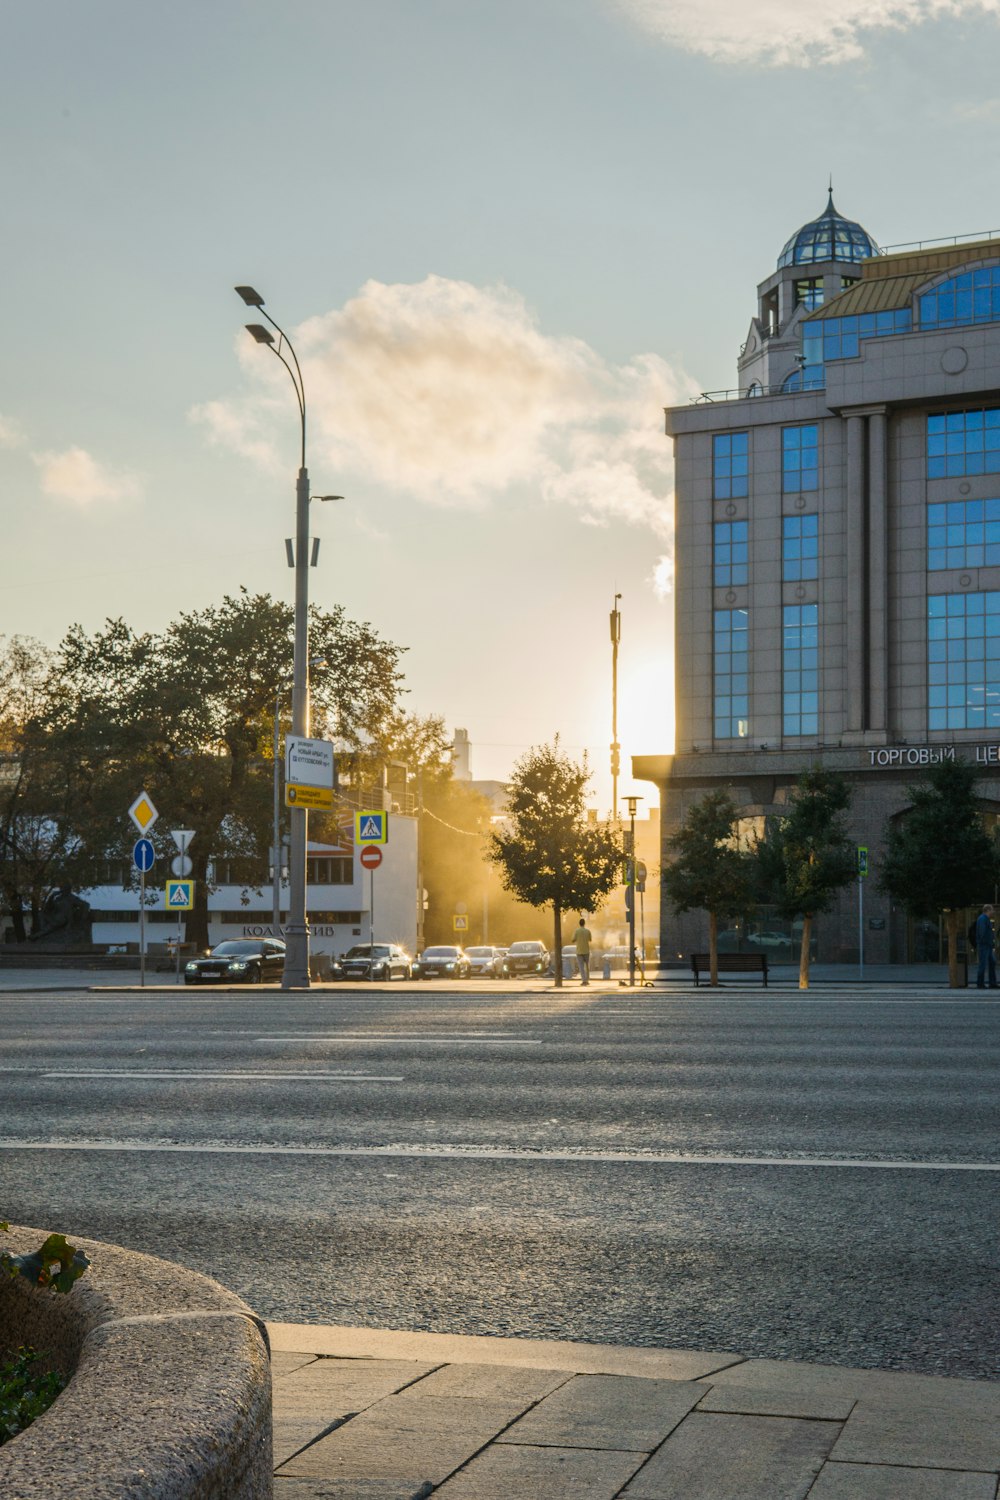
632	802
283	685
296	975
616	635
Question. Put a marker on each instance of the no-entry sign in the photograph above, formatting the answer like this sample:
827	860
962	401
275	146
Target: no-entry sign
371	856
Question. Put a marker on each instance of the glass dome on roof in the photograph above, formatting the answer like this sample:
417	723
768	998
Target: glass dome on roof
829	237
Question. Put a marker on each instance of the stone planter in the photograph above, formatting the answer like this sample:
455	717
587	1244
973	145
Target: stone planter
170	1395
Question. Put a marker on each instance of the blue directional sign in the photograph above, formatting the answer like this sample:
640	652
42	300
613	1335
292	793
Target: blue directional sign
143	855
371	827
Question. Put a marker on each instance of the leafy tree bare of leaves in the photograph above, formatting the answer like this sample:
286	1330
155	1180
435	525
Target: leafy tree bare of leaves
549	854
708	872
807	856
938	855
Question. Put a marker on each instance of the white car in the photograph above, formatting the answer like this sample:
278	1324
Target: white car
486	962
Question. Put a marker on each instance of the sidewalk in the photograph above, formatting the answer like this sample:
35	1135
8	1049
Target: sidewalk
370	1414
925	977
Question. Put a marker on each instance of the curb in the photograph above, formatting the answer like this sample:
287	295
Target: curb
170	1395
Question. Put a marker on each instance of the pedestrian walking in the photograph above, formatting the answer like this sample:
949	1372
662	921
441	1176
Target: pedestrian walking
986	950
582	941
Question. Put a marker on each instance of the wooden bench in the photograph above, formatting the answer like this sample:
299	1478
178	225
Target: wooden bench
730	963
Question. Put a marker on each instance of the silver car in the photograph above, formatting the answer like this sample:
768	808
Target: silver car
486	962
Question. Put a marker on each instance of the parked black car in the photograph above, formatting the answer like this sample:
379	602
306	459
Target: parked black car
442	963
238	961
384	961
525	958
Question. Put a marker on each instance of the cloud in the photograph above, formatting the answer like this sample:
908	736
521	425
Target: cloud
451	393
787	33
663	577
75	475
11	434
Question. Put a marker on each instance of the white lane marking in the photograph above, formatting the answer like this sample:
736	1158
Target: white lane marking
388	1037
475	1153
245	1077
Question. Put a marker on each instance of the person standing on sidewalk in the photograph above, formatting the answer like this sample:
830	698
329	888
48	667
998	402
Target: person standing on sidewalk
986	949
581	941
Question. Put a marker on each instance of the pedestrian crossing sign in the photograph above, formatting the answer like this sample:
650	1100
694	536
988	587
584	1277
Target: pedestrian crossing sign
180	895
371	827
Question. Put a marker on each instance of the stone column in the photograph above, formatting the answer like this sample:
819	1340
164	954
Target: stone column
878	579
854	594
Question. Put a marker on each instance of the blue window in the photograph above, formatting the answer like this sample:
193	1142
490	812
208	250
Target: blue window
973	297
800	669
730	465
800	458
963	661
963	442
731	552
799	548
731	681
840	338
963	534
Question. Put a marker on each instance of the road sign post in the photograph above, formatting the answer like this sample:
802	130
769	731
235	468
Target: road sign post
143	857
180	897
181	866
143	815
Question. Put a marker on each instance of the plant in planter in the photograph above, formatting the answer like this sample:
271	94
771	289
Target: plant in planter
55	1264
24	1392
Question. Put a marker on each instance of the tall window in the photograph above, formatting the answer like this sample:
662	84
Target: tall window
731	680
973	297
800	669
800	458
799	548
809	293
963	442
963	661
730	465
963	534
731	551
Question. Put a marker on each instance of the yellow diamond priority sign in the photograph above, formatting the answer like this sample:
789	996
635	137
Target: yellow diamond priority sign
143	813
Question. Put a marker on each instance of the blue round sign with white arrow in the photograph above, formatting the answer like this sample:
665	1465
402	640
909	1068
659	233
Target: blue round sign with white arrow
143	855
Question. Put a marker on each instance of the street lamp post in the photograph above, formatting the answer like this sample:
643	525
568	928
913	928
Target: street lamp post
283	685
632	803
296	975
616	635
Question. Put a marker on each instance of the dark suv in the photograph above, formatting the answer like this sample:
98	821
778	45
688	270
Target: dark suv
525	958
363	961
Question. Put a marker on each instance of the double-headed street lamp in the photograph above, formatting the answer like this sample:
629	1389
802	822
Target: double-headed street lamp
296	974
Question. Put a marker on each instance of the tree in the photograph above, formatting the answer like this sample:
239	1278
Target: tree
807	856
188	716
33	839
938	855
710	872
549	854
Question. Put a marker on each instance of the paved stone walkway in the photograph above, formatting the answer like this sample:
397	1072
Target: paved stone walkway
371	1414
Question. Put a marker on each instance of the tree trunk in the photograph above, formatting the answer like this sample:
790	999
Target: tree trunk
807	923
951	924
196	925
557	941
713	948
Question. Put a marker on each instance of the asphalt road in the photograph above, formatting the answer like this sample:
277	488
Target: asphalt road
809	1177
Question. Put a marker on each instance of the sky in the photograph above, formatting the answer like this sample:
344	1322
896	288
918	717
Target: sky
502	236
